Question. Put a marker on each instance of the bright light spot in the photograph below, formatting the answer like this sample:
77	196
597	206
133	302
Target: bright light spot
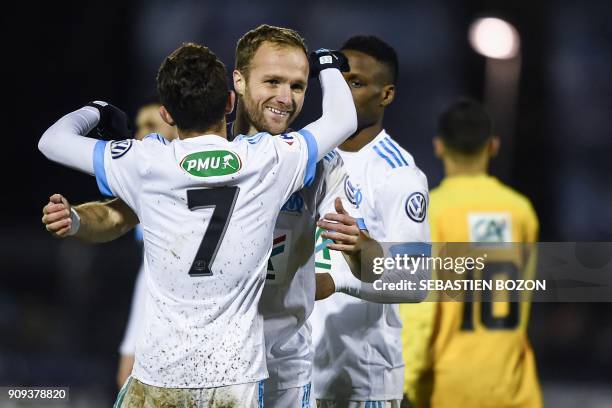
494	38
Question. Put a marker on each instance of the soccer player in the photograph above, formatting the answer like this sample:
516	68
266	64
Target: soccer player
202	341
358	354
479	354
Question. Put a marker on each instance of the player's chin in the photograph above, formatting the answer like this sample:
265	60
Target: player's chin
277	127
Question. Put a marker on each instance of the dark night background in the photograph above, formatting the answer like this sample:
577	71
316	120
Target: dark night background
63	305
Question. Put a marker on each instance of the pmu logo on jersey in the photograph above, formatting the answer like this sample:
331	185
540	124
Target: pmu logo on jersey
211	163
490	227
287	138
353	193
120	147
416	207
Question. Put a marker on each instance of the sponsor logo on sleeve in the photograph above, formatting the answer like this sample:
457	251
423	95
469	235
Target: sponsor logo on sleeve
416	207
353	192
120	147
211	163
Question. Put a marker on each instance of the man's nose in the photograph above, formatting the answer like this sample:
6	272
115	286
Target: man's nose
284	95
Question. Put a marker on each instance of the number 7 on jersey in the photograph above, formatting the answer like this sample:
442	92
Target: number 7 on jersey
222	201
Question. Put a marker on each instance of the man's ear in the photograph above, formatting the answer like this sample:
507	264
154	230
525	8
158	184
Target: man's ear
229	104
166	117
493	146
438	146
388	94
239	82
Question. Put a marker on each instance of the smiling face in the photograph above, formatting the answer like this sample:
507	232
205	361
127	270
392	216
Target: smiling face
273	89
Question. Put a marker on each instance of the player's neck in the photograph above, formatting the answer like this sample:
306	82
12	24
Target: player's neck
473	167
219	129
362	137
242	125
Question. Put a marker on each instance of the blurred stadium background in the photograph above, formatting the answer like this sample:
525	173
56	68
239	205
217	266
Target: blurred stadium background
63	305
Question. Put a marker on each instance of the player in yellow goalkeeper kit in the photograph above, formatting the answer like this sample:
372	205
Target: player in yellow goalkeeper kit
465	355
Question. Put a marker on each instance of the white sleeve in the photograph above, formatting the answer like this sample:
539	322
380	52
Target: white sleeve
65	142
118	166
402	201
339	117
137	314
297	161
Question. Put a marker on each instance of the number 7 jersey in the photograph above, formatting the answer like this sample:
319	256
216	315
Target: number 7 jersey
208	209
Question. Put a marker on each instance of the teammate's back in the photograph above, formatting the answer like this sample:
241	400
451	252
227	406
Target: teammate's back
208	208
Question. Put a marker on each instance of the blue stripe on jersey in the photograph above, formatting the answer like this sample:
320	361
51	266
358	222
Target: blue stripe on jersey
138	233
323	245
304	390
377	150
394	147
157	137
411	249
99	171
330	156
361	224
391	152
313	153
256	138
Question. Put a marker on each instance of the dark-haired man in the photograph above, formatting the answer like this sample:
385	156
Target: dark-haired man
479	355
202	341
358	355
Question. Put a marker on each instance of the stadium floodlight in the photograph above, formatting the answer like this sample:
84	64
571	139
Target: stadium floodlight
494	38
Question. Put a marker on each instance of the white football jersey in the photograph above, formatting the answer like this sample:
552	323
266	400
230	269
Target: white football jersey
358	348
207	208
288	295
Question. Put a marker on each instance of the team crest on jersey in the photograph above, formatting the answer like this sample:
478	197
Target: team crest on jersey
120	147
490	227
353	193
211	163
416	207
295	204
289	139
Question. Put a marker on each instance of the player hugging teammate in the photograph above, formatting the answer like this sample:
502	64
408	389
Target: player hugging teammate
228	280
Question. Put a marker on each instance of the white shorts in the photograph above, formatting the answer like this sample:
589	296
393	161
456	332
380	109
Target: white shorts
358	404
135	394
298	397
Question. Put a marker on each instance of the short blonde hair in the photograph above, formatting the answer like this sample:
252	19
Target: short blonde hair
252	40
